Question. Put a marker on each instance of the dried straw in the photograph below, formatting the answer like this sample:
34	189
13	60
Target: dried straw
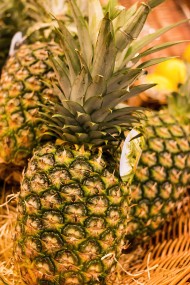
164	260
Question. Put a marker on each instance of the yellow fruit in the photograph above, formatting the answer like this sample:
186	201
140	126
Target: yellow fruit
174	70
163	83
186	53
160	91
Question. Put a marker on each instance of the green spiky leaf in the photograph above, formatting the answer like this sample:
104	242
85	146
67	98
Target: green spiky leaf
156	49
138	45
80	86
153	61
105	51
123	80
61	72
96	88
83	32
73	61
96	15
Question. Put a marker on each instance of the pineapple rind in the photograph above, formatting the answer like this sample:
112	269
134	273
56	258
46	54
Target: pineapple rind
24	86
162	176
72	216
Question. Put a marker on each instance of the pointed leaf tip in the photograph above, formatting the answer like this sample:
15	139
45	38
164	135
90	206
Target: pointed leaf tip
154	3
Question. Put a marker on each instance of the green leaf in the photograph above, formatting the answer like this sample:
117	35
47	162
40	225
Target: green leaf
111	9
156	49
153	3
91	126
96	134
138	45
131	29
57	120
95	16
57	91
63	109
83	118
83	32
66	120
105	51
55	127
92	104
83	137
70	138
73	129
128	94
109	98
53	131
75	107
111	130
97	142
115	131
49	133
99	115
126	111
124	17
125	121
68	37
123	79
96	88
73	60
153	61
139	89
84	64
80	86
47	119
61	72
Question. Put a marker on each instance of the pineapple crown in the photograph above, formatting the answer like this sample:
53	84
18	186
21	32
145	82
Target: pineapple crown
98	72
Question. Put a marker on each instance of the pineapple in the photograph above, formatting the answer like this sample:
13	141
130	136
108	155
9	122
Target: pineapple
73	204
24	85
163	173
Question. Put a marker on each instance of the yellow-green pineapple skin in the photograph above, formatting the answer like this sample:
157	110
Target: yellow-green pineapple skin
162	176
72	216
23	87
